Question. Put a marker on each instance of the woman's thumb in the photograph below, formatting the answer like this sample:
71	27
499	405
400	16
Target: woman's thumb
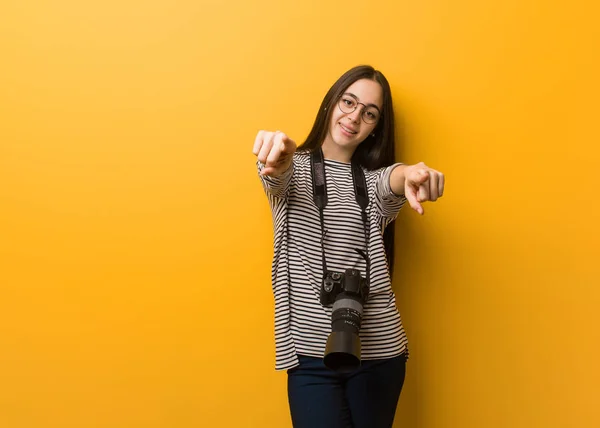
420	176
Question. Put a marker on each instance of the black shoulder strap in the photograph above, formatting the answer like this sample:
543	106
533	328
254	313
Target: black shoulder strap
319	184
317	169
360	186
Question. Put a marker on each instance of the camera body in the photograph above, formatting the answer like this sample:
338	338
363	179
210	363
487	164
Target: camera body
347	292
349	282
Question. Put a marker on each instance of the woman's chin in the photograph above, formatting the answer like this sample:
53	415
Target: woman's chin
345	145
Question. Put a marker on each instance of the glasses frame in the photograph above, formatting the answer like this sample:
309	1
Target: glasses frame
362	113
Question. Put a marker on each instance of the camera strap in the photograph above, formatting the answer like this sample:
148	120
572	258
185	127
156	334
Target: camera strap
319	182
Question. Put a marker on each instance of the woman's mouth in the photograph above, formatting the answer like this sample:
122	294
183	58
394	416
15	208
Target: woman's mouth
348	130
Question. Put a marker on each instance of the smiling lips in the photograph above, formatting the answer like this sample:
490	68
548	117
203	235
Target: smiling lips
348	130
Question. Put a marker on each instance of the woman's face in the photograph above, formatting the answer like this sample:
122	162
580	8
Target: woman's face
354	116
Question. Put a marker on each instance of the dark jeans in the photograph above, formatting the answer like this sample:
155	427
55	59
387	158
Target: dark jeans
366	398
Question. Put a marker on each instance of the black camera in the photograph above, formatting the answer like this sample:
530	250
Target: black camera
347	292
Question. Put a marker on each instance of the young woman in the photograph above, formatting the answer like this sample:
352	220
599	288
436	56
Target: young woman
354	127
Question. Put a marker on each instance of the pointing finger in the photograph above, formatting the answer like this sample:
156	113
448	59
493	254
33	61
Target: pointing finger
423	193
411	196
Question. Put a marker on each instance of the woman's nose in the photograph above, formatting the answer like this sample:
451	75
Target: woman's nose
355	115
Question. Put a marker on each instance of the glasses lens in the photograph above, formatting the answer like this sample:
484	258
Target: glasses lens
347	104
370	115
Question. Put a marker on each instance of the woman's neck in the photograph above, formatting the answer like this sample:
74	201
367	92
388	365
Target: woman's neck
334	152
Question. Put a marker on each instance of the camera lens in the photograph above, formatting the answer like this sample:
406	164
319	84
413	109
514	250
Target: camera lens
342	352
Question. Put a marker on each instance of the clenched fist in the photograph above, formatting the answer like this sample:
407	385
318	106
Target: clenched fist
275	150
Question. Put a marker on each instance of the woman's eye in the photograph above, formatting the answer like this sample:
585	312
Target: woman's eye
348	102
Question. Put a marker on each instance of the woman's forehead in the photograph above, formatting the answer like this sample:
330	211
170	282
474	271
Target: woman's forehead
367	91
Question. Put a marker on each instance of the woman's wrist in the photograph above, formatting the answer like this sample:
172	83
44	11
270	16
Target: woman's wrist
398	178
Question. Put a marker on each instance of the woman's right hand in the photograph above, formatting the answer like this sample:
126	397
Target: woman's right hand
275	150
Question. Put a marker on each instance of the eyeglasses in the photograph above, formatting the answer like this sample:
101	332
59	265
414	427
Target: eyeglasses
348	104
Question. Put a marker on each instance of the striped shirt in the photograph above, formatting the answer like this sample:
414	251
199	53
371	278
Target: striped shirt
302	324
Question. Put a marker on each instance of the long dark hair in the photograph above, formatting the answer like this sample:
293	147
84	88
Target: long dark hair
374	152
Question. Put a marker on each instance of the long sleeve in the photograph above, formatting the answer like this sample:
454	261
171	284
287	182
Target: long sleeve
276	187
388	204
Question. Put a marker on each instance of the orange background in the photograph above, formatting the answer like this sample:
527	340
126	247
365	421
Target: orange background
135	240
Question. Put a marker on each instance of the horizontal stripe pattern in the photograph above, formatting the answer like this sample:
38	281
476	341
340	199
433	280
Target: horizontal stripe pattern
302	324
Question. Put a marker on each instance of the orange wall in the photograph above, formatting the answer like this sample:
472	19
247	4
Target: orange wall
135	240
